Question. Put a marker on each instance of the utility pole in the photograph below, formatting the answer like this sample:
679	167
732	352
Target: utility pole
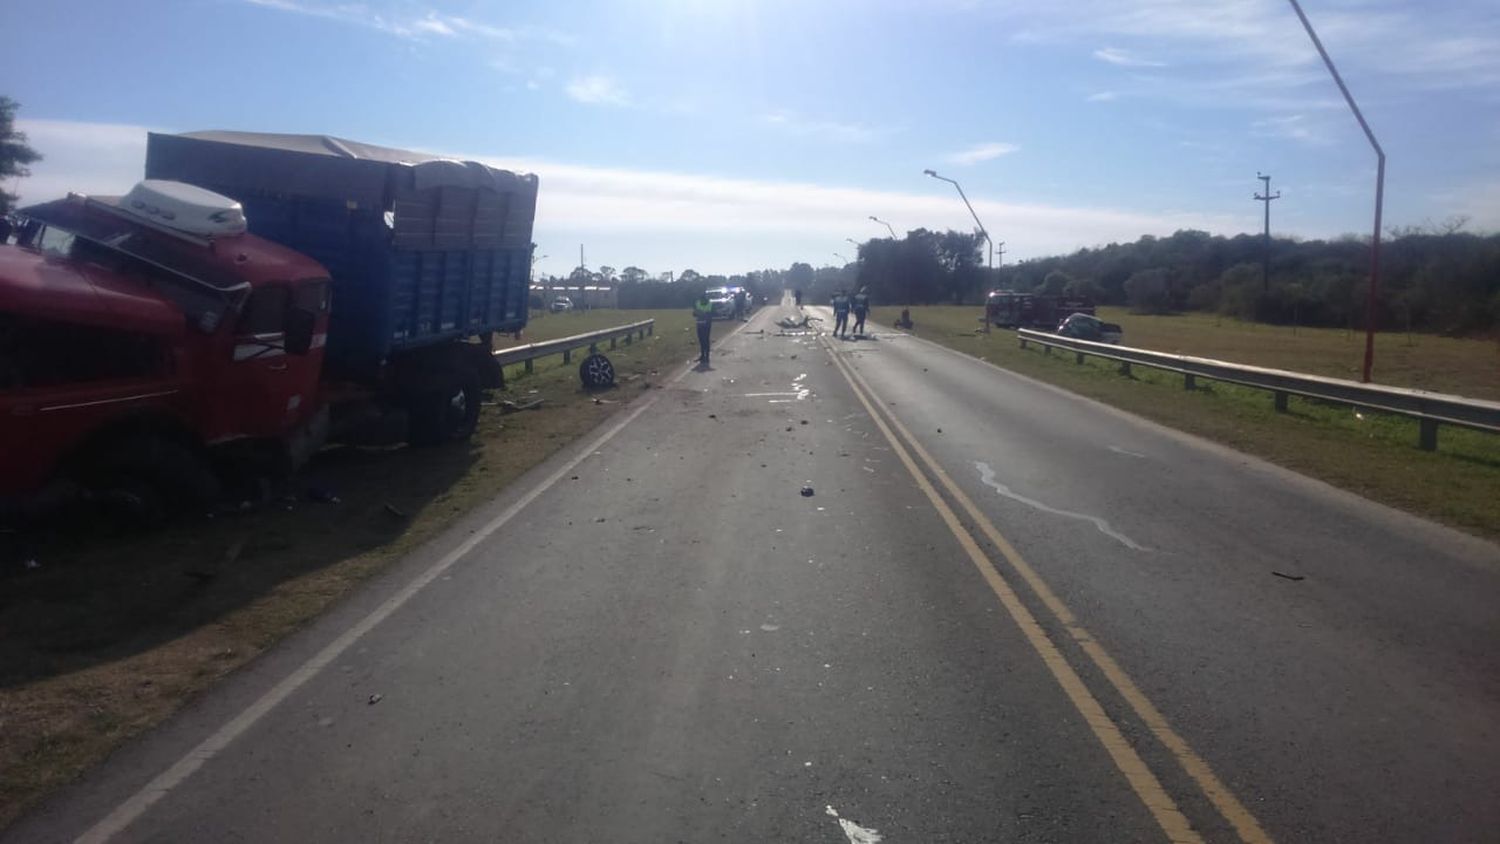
580	257
1265	273
1000	254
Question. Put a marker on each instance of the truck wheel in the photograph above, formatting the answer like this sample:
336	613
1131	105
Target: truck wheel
596	372
143	481
446	416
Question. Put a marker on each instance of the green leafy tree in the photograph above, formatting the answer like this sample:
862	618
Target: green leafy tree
15	153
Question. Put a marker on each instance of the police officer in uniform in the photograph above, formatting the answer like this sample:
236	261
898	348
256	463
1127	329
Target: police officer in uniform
703	312
861	306
841	314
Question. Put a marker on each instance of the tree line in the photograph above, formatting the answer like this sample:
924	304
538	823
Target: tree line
1433	278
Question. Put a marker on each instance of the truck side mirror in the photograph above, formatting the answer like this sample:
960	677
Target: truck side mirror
300	325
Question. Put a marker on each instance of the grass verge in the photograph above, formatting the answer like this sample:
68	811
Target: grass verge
1372	454
109	636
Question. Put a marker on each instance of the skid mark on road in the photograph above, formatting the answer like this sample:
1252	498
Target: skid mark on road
987	477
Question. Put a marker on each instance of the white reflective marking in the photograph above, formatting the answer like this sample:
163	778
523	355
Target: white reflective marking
1127	452
854	832
987	477
763	395
98	402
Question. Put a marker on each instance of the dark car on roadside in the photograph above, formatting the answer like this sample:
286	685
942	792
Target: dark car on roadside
1089	327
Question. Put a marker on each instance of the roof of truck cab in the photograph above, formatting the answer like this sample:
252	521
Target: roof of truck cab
225	262
47	287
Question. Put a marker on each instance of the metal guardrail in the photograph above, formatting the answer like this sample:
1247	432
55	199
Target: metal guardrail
1430	409
567	345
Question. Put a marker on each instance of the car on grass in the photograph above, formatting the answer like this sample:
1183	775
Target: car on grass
1090	327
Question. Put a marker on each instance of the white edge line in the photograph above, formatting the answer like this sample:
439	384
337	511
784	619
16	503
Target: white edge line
123	815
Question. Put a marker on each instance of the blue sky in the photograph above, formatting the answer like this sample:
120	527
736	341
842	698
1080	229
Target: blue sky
727	135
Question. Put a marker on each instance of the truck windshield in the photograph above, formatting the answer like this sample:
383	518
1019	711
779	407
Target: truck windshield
176	267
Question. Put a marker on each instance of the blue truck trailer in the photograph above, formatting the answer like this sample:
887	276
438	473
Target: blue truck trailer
429	258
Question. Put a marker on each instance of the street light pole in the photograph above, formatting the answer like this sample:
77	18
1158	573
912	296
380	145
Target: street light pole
884	223
982	230
1379	193
841	257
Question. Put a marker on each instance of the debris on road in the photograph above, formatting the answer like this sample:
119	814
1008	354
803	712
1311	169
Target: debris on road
508	406
33	563
807	492
376	698
323	495
1289	576
394	510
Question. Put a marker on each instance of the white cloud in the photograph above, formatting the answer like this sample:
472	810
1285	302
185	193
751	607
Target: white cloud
402	22
1103	97
833	130
98	158
1125	58
980	152
1293	127
598	89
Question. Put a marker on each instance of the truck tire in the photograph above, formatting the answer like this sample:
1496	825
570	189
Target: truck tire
596	372
445	416
144	480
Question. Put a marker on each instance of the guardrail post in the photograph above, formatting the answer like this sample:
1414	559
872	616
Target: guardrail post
593	348
1281	397
1079	357
1189	381
612	342
651	329
1046	349
1125	368
1427	440
529	368
1023	342
629	337
567	356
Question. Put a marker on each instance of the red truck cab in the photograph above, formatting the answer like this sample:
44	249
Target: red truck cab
139	334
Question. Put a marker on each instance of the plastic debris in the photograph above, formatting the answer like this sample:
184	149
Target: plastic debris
323	495
394	510
807	492
1289	576
376	698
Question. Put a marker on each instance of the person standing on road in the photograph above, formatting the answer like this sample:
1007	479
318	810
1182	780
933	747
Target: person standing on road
841	314
703	312
861	307
739	305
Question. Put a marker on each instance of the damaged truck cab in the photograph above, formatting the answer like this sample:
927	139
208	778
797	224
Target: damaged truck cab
255	297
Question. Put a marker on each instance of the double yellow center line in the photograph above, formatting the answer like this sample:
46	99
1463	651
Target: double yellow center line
1135	770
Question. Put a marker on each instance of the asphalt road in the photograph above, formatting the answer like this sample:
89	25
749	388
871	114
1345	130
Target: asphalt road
1003	614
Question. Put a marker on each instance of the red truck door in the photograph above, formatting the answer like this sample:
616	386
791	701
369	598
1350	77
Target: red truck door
268	391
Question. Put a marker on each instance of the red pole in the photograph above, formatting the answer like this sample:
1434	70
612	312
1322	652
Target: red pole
1379	193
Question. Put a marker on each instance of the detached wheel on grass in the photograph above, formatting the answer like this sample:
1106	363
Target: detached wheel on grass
596	372
445	416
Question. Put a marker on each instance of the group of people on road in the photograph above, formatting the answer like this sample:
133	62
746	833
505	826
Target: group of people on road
843	304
